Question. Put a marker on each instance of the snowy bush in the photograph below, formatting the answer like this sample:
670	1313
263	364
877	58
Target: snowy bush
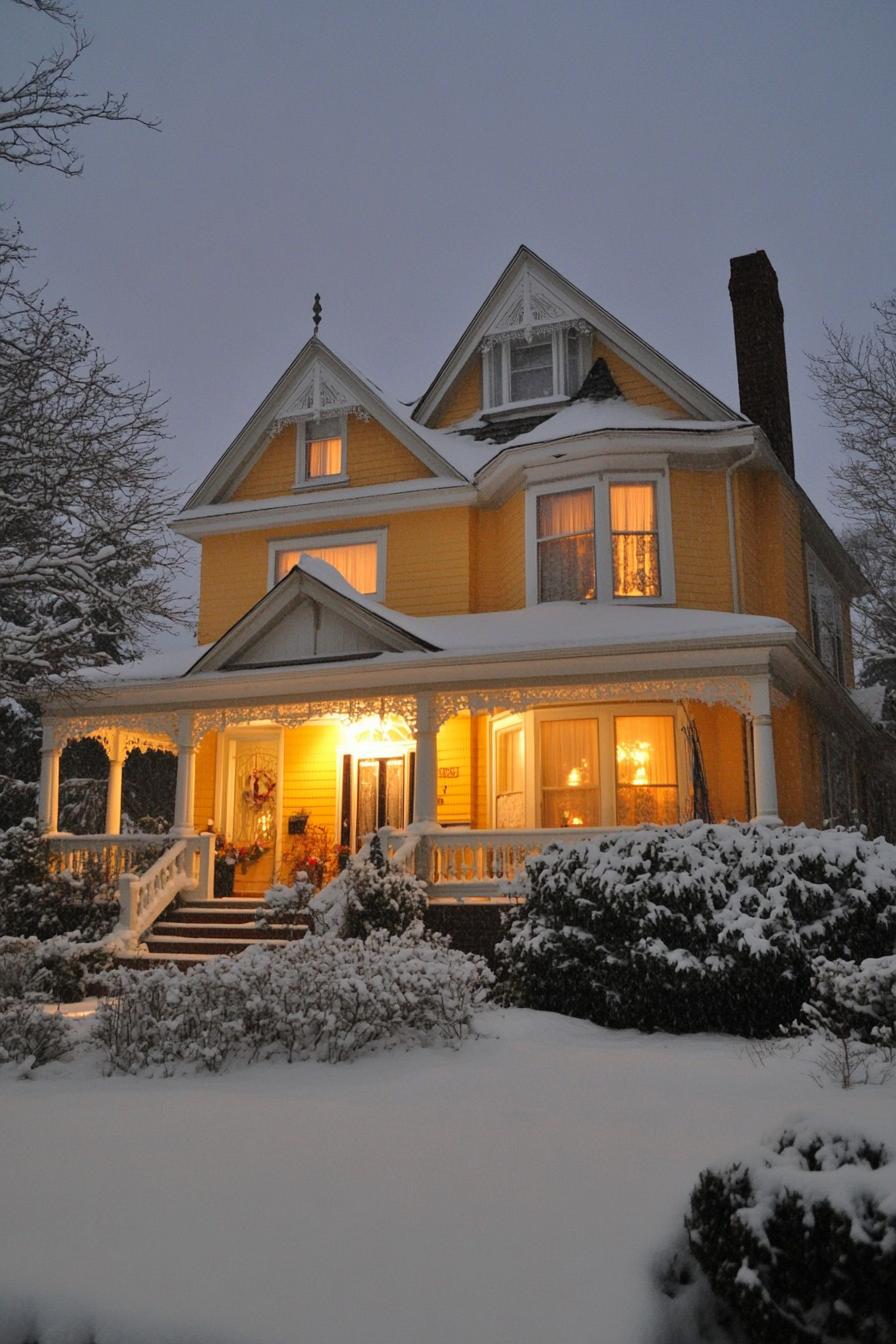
285	908
377	894
851	1010
36	902
30	1034
56	970
799	1242
695	927
325	999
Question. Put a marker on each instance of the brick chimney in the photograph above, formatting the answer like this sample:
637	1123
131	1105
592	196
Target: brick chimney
761	356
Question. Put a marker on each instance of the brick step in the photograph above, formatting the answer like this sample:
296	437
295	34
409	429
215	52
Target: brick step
176	928
149	960
216	947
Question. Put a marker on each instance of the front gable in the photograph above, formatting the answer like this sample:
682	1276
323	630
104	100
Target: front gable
382	443
304	619
532	299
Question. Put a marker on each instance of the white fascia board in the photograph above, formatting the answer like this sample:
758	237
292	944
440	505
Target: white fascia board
367	502
620	338
405	673
239	457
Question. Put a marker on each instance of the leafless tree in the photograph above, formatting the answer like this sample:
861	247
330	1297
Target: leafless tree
41	110
856	382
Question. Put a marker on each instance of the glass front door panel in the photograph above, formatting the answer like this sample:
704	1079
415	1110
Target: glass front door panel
368	790
646	770
380	794
569	773
393	787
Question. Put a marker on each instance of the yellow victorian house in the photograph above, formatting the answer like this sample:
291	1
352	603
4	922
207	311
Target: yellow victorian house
569	588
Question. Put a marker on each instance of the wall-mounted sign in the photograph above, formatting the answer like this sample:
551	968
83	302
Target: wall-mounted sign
449	772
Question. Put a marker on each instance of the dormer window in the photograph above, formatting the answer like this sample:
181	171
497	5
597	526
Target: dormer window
548	366
320	451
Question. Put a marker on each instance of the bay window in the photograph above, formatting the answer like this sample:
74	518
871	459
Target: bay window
320	451
608	540
509	777
359	557
646	770
569	773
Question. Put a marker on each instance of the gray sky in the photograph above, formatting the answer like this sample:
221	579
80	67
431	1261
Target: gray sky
393	155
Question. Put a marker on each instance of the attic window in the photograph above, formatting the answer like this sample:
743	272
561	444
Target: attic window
548	367
320	451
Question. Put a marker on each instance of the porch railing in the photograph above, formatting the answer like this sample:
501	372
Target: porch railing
475	862
112	854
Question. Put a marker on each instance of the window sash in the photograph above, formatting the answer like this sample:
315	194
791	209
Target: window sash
357	562
565	545
646	770
323	457
826	615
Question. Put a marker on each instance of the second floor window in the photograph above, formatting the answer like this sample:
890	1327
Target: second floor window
320	451
607	539
826	615
359	558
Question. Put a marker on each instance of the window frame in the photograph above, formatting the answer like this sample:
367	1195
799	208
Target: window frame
603	536
311	543
500	351
302	479
818	575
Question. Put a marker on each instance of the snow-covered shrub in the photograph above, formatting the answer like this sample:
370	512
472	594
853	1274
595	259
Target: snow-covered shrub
28	1032
695	927
36	902
55	970
380	895
285	908
799	1242
852	1009
318	998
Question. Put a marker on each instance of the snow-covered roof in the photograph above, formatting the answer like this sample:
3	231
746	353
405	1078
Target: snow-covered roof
870	700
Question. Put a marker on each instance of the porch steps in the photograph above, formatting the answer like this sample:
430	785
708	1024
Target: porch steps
187	935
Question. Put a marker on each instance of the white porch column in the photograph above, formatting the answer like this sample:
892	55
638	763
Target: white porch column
113	788
426	767
186	776
48	790
765	781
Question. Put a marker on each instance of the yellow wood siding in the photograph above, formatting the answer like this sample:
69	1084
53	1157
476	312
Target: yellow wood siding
428	565
373	457
770	548
700	540
633	385
721	732
500	572
310	777
797	762
455	782
464	398
204	795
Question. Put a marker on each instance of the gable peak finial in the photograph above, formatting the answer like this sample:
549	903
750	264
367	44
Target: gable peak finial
316	312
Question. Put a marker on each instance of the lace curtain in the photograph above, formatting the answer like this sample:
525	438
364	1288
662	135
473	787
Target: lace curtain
646	770
356	563
569	773
566	546
636	569
509	777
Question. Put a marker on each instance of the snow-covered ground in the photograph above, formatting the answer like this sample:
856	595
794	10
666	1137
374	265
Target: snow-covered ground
516	1191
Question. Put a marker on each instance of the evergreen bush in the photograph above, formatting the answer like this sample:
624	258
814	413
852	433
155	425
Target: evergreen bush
380	895
36	902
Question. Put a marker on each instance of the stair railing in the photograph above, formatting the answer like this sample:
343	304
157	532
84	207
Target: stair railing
187	866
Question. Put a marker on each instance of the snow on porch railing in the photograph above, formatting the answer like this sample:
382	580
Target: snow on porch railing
113	854
478	859
187	866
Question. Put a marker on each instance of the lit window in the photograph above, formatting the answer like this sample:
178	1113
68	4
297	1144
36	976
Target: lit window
356	562
321	450
646	770
569	773
635	541
826	612
509	778
565	530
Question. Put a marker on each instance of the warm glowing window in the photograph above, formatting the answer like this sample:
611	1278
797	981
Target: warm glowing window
569	773
646	770
509	777
635	540
356	562
566	546
322	446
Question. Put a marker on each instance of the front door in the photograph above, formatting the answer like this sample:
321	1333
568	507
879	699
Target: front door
252	806
380	794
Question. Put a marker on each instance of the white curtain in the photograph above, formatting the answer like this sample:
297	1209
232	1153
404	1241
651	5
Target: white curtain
569	773
646	770
356	562
324	457
509	779
566	546
636	570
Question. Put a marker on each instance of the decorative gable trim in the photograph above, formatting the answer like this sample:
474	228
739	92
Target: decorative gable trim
529	290
317	383
263	638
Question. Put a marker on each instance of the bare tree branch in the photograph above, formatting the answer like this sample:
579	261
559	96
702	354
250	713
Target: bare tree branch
41	110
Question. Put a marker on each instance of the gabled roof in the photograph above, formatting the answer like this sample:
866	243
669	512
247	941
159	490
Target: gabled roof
318	382
530	293
309	616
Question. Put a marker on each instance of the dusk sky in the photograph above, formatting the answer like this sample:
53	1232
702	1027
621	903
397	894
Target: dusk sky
393	156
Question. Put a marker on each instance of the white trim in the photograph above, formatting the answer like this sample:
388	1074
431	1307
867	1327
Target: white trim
326	539
600	483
